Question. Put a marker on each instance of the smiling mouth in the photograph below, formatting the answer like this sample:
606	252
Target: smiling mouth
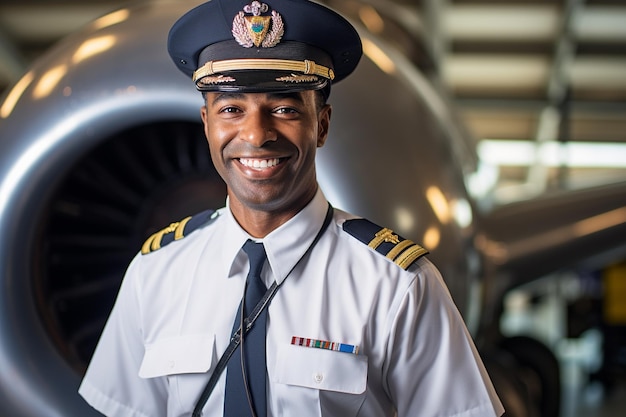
259	163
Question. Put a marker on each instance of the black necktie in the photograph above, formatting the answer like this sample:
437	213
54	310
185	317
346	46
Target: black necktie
236	401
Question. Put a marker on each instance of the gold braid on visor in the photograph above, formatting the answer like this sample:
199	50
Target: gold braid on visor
305	67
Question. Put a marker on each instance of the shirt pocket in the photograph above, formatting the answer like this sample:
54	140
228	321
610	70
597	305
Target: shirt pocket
338	380
186	362
178	355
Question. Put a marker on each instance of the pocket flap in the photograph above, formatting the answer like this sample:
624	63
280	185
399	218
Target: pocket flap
321	369
178	355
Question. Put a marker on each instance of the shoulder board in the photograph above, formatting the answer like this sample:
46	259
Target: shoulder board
177	231
401	251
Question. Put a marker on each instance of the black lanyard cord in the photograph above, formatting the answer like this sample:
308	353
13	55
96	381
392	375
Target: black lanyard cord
249	322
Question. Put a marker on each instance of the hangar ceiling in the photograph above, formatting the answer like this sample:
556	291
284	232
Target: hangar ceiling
525	75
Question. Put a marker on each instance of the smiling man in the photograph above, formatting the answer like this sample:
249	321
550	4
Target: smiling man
278	304
263	145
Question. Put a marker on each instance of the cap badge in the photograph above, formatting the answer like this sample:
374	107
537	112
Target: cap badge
295	78
255	29
217	79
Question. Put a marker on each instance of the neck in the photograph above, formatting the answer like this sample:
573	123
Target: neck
258	223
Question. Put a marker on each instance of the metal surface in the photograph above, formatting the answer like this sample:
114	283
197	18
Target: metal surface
45	134
497	58
101	145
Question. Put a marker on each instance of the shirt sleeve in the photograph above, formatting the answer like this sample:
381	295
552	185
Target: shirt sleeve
433	366
111	384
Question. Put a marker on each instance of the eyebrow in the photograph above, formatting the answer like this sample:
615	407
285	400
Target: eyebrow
297	96
227	96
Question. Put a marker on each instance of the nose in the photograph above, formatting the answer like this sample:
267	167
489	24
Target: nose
257	130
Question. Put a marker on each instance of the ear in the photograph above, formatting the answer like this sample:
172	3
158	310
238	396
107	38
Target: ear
205	122
323	124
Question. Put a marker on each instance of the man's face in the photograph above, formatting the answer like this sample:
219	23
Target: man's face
264	145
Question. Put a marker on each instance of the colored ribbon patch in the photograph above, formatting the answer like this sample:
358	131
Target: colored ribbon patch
324	344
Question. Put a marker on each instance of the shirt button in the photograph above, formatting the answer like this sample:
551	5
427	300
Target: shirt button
318	378
171	364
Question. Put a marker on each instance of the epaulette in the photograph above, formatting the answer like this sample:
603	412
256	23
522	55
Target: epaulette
177	231
401	251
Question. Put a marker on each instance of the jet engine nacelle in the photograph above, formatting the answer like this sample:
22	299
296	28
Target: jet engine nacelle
101	145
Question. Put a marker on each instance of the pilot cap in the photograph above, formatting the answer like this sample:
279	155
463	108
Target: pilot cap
262	46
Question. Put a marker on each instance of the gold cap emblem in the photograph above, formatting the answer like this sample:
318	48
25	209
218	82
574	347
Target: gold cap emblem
254	29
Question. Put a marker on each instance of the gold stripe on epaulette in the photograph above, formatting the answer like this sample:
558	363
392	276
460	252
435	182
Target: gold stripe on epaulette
145	248
393	253
385	235
180	229
154	242
410	255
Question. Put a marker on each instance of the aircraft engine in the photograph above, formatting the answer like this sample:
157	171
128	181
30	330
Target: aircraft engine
102	145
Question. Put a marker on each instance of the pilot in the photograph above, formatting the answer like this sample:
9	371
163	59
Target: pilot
279	304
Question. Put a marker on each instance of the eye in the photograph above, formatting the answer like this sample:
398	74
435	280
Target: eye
286	110
229	109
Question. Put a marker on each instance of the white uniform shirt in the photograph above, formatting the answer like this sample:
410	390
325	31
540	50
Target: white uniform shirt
175	310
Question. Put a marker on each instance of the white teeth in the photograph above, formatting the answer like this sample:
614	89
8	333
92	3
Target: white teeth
259	163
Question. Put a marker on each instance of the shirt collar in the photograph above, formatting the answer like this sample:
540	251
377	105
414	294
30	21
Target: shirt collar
285	245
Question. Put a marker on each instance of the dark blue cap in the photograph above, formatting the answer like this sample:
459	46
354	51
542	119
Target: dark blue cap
259	46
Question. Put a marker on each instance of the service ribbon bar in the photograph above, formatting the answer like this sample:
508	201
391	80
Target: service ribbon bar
324	344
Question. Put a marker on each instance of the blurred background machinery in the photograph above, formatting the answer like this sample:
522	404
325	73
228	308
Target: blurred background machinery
526	75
